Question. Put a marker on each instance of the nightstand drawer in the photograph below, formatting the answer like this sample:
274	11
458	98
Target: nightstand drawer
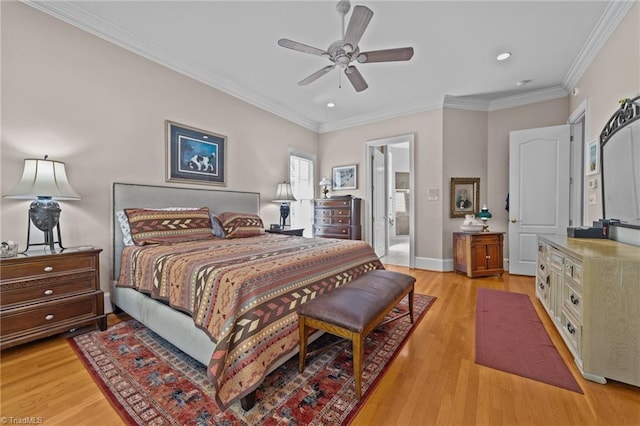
50	265
46	289
47	315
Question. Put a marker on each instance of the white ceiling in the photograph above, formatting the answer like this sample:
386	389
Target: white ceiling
233	46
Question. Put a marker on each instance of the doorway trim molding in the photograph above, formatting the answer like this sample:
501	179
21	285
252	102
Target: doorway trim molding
368	229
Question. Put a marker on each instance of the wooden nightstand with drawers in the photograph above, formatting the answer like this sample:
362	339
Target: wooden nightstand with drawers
46	294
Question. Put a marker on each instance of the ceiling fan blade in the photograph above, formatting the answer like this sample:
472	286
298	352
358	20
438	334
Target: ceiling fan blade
356	78
316	75
357	24
290	44
387	55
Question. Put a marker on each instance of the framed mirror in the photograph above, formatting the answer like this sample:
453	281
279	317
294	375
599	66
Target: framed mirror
620	164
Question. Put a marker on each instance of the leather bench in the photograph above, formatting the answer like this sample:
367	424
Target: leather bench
354	310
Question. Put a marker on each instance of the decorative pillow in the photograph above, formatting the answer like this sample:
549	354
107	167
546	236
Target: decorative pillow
216	228
150	226
124	227
239	225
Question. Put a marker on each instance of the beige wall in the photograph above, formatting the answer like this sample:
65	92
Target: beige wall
614	74
347	146
102	110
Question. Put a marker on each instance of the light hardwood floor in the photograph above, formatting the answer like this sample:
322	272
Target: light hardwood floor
434	380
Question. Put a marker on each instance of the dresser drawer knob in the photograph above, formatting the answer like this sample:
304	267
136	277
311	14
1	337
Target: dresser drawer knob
49	317
48	292
48	268
571	328
574	299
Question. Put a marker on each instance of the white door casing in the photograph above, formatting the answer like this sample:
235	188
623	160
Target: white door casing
538	192
379	201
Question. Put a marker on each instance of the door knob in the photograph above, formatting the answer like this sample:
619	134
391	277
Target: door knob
514	220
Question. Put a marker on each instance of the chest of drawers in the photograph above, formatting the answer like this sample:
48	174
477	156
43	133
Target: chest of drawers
590	290
337	217
47	294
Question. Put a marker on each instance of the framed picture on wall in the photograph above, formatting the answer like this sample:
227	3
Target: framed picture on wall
194	155
345	177
465	196
593	157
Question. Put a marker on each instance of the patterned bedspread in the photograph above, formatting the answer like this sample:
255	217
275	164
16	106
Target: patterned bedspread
244	293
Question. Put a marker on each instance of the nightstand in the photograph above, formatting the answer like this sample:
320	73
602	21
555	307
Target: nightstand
286	231
46	294
478	254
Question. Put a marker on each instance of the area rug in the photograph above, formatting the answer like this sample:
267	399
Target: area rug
510	337
151	382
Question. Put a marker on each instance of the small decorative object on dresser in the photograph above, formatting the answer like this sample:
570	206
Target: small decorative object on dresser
324	183
337	217
47	294
478	254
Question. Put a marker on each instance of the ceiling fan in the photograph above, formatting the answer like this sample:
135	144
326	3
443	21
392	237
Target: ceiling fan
345	51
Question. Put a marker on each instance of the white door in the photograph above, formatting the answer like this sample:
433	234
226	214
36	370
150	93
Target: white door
379	206
538	192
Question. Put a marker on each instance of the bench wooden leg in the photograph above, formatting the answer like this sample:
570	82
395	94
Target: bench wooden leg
411	305
357	342
302	328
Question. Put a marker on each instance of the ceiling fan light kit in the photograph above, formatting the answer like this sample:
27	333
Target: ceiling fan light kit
345	51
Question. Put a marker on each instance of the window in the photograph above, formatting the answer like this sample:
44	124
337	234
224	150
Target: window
301	176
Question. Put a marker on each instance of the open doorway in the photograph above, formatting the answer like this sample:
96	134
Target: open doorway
390	184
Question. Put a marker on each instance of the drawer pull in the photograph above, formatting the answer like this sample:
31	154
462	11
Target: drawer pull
48	292
574	299
571	328
48	268
49	317
542	286
541	267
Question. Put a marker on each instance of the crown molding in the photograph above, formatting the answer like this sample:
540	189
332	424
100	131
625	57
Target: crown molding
81	18
613	14
377	116
478	104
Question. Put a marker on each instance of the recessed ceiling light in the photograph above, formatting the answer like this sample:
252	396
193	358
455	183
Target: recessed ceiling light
503	56
523	83
331	104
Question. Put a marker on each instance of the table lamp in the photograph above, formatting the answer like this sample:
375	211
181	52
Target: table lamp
324	183
284	195
44	180
484	215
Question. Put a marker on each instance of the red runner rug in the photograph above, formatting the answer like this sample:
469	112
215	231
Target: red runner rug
510	337
150	382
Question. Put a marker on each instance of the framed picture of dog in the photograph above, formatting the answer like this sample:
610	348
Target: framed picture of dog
194	155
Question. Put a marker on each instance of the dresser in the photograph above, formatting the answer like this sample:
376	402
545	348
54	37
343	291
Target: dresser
590	288
337	217
478	254
46	294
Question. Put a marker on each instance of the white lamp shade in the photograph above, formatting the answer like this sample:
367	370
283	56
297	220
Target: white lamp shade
43	178
284	193
325	182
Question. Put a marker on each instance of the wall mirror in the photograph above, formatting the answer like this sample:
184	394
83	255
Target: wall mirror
620	164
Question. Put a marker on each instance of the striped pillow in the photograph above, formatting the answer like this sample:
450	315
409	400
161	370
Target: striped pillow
150	226
239	225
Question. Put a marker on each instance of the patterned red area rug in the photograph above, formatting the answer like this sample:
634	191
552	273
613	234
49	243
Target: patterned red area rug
151	382
510	337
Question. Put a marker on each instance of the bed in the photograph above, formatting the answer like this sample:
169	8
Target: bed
235	309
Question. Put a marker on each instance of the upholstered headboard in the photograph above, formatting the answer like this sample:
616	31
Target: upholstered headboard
127	195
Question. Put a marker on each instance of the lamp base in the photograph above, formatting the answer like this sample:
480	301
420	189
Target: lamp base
44	213
284	214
